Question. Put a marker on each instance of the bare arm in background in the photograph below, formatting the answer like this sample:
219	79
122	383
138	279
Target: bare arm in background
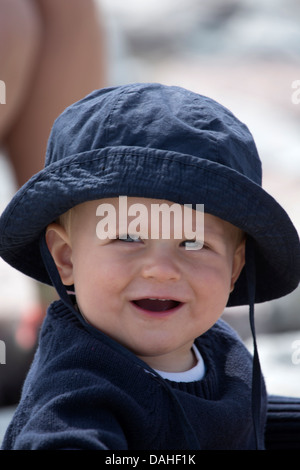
52	53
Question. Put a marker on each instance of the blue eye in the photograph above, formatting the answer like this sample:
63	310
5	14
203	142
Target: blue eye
129	238
192	244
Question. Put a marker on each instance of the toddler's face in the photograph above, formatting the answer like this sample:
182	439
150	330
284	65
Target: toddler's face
154	296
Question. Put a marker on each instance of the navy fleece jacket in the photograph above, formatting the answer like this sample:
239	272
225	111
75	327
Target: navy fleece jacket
85	391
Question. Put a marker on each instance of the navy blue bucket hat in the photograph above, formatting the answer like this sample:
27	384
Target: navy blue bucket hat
164	142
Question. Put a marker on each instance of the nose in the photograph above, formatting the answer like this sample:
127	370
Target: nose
160	265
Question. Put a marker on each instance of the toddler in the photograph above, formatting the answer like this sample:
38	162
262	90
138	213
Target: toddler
134	355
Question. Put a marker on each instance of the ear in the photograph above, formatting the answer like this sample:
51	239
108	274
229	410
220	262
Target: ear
59	245
238	263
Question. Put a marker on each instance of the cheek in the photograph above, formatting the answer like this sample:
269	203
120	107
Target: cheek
98	281
212	287
213	276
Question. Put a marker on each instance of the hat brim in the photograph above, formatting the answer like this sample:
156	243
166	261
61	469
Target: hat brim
97	174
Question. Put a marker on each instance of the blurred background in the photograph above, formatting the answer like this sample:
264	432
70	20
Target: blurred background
243	53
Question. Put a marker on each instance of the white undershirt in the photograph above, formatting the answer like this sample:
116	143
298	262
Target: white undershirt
195	373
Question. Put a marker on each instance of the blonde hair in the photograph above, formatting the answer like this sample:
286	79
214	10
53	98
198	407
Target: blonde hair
65	220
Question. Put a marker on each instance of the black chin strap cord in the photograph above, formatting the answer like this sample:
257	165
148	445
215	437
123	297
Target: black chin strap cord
256	371
54	274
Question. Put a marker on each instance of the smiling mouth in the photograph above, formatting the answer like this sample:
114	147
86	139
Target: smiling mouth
157	305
